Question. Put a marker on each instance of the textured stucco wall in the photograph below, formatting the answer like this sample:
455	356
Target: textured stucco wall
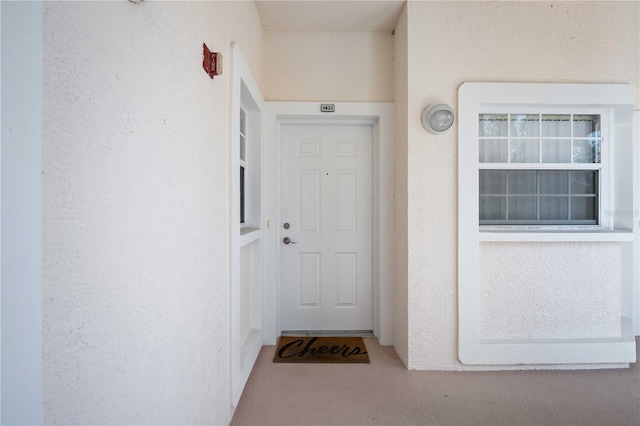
135	199
550	290
453	42
401	93
323	66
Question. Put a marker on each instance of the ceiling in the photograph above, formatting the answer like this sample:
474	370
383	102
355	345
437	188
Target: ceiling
330	15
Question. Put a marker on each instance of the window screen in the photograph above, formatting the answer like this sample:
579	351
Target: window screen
539	169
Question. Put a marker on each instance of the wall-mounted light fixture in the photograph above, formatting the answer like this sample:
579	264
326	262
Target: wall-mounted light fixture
211	61
438	118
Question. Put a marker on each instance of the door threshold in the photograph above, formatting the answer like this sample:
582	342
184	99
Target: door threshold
336	333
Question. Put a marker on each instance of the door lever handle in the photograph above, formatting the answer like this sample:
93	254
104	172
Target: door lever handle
287	240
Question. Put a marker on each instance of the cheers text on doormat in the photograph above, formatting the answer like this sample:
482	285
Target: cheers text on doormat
321	349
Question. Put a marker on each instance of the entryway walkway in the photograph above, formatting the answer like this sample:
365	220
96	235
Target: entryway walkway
384	392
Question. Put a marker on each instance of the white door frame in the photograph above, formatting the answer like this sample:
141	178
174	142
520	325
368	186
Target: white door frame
380	115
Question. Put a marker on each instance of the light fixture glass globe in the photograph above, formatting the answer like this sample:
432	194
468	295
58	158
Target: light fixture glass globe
438	118
441	120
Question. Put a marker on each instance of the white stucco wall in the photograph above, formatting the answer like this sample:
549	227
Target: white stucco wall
453	42
135	199
329	66
551	290
401	93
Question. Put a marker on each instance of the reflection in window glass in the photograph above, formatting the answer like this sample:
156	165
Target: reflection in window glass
586	126
493	151
583	182
586	151
525	151
525	125
493	125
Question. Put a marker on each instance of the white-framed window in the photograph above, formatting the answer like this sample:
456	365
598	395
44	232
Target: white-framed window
247	161
544	169
545	157
543	166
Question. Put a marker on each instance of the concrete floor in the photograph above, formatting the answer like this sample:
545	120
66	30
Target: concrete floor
384	392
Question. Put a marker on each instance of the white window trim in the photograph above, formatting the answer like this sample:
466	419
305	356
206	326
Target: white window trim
475	98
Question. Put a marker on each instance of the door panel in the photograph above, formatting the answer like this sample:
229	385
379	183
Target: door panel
327	280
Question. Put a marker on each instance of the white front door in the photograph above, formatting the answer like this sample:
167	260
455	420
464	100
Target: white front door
327	213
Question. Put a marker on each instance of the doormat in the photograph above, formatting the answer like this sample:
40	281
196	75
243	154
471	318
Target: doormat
323	349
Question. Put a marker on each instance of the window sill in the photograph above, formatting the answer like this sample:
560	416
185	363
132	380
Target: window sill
249	235
555	234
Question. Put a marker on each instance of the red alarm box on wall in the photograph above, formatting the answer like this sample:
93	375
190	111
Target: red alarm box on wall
211	62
